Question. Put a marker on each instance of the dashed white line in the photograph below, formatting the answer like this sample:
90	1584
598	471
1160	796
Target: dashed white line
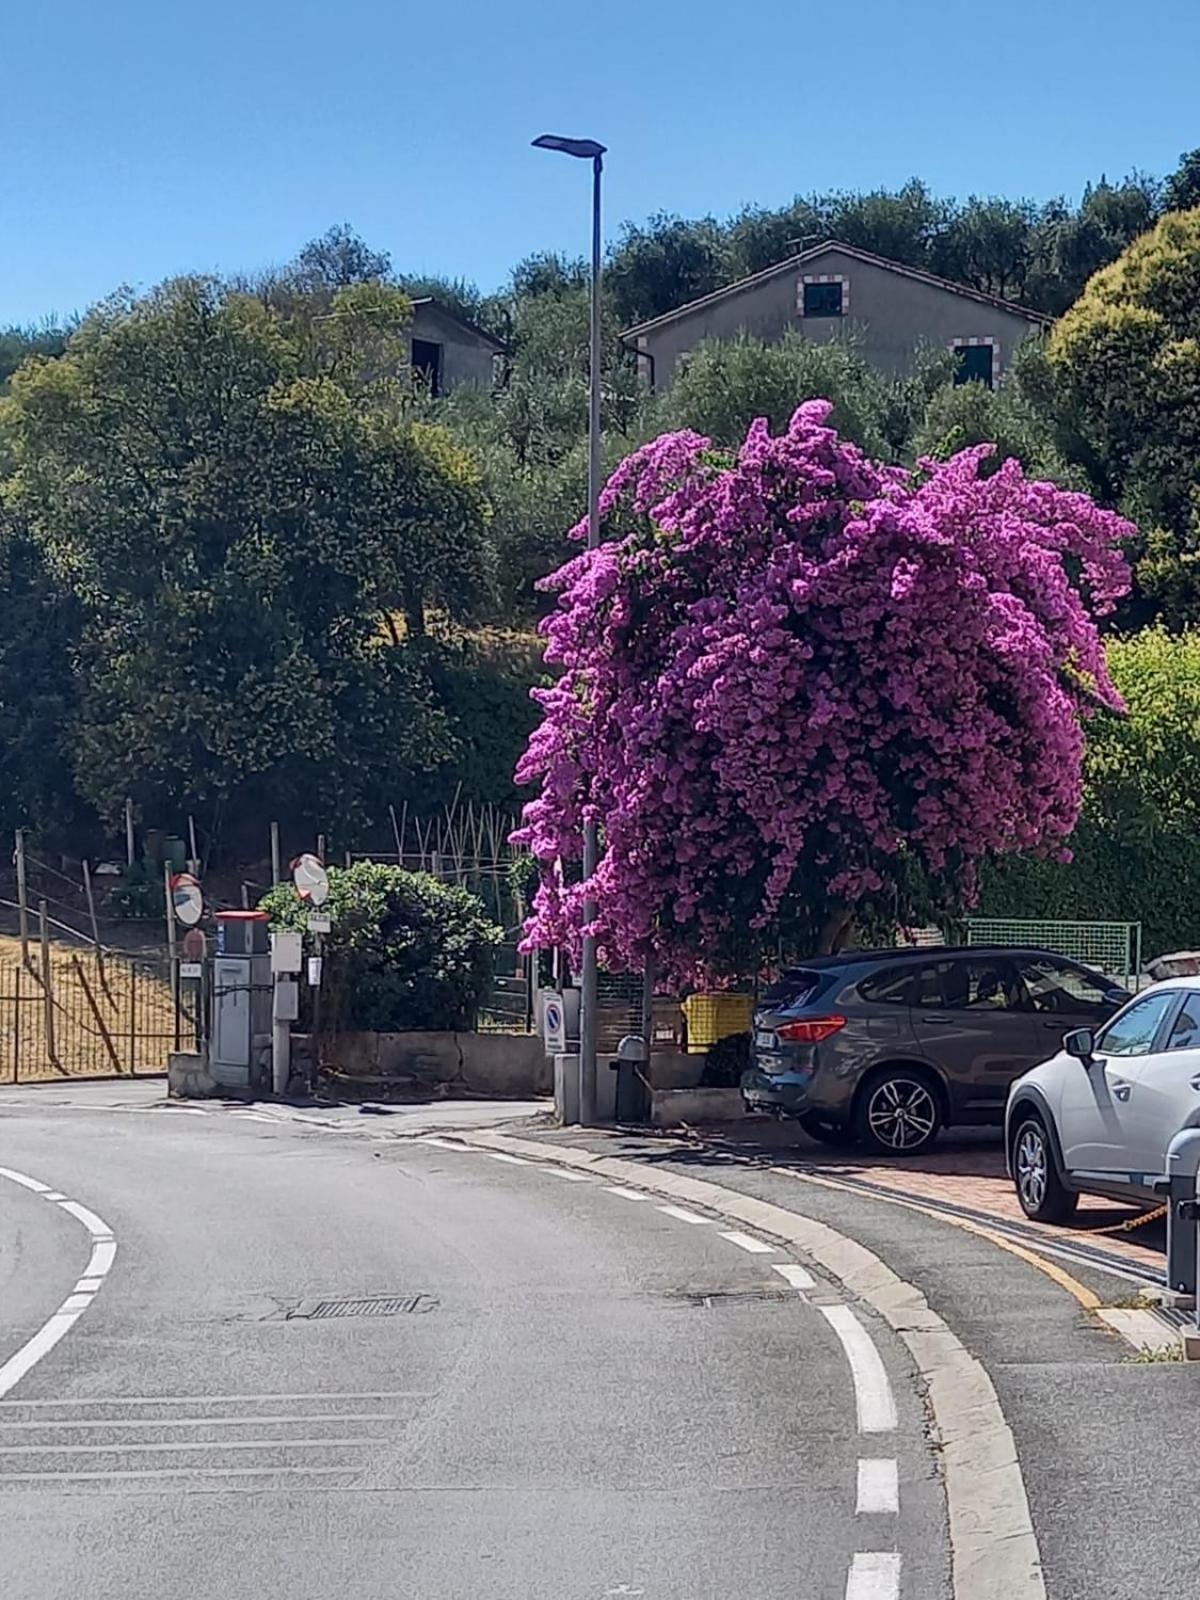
513	1161
878	1487
104	1249
795	1275
98	1229
256	1116
874	1575
26	1183
747	1241
681	1215
625	1194
873	1396
445	1144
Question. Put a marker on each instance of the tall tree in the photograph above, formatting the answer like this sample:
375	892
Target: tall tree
236	529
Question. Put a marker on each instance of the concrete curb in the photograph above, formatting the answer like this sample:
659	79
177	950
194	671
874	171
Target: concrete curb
994	1551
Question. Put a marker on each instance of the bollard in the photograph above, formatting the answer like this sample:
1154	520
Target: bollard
1182	1168
631	1097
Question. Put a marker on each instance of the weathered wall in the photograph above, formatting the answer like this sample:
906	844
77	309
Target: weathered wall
890	314
498	1065
466	359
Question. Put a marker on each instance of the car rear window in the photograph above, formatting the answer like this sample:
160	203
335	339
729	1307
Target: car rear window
795	987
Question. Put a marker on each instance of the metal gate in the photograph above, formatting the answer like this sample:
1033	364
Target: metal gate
90	1014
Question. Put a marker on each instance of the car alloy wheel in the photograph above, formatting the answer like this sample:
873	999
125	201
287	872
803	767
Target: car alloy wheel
901	1114
1032	1166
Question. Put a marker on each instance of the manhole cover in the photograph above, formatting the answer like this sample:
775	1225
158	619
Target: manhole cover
383	1305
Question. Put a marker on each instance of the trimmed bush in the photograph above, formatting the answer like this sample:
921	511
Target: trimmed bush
407	952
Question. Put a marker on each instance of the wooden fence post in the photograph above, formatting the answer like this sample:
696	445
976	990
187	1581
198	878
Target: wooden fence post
47	985
22	896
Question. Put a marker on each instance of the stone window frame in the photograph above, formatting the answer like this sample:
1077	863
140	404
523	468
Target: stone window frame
823	277
967	342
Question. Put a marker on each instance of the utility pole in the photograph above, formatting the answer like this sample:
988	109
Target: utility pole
589	150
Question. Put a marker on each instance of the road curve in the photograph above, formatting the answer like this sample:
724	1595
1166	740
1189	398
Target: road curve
320	1366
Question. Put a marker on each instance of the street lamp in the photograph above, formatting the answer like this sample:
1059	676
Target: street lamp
588	150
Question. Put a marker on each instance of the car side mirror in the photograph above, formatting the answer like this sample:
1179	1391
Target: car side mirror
1116	996
1080	1043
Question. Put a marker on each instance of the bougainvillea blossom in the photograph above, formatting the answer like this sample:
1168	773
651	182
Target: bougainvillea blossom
795	674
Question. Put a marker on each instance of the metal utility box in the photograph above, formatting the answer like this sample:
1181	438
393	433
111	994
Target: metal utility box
243	933
239	1049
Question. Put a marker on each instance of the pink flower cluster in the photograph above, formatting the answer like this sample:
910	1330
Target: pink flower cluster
787	673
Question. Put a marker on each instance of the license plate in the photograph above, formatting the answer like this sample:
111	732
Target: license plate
766	1041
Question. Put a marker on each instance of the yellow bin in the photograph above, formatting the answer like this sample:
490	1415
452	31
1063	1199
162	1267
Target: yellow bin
711	1017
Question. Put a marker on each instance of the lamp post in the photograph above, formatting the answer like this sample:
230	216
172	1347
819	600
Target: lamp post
588	150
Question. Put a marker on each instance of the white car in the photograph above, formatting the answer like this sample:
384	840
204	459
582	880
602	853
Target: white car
1097	1117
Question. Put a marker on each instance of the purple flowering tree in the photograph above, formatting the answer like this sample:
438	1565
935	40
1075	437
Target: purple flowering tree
799	686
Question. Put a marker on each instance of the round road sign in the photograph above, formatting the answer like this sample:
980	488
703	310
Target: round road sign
311	880
187	899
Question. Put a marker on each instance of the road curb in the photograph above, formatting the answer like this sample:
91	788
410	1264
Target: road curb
994	1551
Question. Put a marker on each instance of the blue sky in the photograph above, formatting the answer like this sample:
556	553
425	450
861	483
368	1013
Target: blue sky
143	139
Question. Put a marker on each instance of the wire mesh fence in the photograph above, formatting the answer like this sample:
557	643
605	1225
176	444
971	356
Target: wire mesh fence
87	1014
1112	948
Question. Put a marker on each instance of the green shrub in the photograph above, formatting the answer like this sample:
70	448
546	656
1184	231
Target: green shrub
406	952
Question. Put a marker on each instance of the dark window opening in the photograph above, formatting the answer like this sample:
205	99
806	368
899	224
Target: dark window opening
427	364
973	363
822	299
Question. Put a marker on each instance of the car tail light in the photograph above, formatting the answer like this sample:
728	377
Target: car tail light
812	1030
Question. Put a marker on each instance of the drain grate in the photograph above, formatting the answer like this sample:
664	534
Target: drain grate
383	1305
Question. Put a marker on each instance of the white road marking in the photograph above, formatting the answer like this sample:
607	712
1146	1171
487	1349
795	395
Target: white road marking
256	1116
878	1487
206	1422
626	1194
444	1144
77	1302
93	1224
64	1319
227	1399
128	1447
87	1283
682	1215
103	1255
26	1183
873	1396
747	1241
874	1576
179	1111
567	1177
795	1275
513	1161
178	1472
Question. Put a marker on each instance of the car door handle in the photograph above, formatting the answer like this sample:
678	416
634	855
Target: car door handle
940	1022
1196	1083
1121	1090
1060	1026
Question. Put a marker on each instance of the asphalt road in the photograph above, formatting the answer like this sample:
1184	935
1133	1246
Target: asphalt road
567	1392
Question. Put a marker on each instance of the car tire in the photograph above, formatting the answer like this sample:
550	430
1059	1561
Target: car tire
898	1112
1041	1192
823	1130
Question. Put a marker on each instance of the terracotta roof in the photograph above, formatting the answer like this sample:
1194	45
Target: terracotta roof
818	250
444	310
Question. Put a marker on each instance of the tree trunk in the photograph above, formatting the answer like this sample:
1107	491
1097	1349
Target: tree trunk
414	615
836	931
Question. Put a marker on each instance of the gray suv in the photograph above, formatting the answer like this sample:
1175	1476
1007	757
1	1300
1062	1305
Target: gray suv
887	1046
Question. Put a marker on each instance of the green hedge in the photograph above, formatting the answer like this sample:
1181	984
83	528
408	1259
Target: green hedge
406	952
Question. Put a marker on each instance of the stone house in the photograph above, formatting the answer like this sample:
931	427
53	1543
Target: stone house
830	289
448	350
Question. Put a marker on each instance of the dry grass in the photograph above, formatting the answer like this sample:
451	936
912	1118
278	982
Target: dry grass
132	996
